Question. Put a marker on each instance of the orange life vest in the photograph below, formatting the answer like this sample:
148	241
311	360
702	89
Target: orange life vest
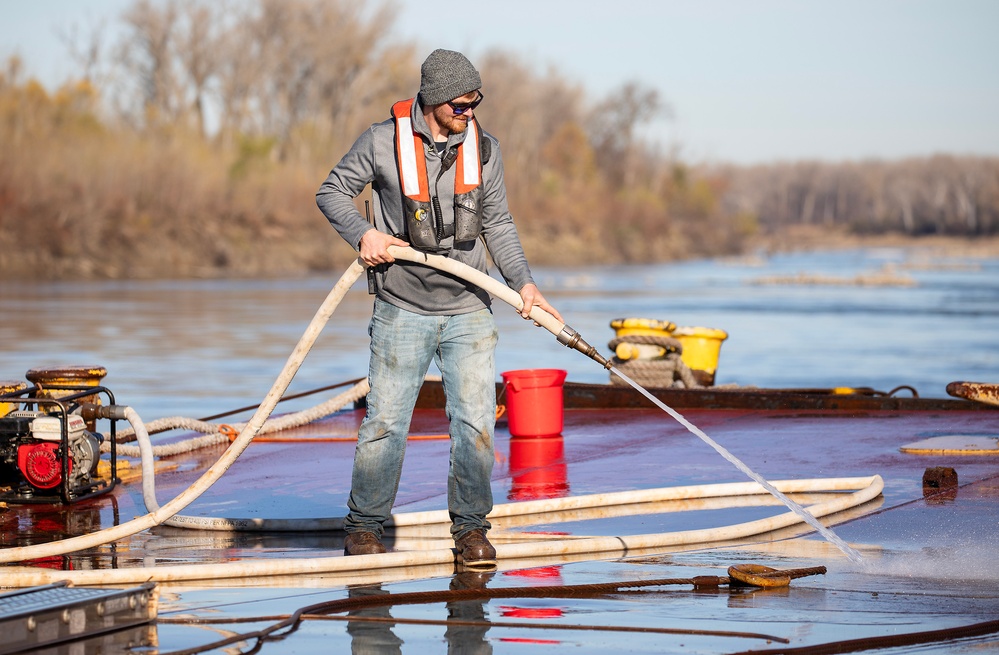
426	227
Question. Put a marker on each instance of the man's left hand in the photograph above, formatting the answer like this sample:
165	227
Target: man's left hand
532	297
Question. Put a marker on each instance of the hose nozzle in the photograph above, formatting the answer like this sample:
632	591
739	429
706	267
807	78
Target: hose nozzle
571	339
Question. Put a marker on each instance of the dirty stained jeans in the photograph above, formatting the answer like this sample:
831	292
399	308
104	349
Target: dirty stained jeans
402	346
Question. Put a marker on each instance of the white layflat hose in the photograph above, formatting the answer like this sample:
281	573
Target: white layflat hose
867	488
161	515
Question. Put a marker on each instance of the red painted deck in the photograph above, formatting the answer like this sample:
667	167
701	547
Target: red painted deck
929	560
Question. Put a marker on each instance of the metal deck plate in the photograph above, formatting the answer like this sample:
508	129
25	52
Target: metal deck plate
954	444
42	616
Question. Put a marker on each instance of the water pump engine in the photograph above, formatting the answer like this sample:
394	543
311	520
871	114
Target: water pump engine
36	459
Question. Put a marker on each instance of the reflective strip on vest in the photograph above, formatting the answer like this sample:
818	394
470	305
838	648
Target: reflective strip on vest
468	161
413	168
407	159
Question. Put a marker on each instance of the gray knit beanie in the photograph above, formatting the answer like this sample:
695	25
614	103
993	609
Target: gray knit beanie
447	75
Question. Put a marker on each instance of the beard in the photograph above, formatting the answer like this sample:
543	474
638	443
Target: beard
449	120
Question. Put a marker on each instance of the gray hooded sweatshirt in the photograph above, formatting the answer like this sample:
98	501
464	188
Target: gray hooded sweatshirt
415	287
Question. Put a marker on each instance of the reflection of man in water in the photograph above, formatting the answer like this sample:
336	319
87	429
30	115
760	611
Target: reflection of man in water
468	639
376	637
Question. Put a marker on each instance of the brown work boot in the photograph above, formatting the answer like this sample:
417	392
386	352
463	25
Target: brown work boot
475	551
362	543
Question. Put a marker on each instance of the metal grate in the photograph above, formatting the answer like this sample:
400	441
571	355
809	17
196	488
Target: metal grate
41	616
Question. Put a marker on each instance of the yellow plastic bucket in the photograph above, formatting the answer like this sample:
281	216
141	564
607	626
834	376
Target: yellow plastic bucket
646	327
701	348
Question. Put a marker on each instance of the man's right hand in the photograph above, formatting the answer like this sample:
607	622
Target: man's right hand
374	247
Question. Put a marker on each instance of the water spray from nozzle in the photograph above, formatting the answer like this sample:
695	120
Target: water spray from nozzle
572	339
802	513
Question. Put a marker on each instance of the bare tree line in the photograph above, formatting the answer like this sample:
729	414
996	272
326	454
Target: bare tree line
310	73
937	195
194	143
297	71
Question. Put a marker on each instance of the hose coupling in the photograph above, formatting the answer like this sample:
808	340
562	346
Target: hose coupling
91	411
572	339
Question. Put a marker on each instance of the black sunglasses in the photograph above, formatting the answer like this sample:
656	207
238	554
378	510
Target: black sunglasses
460	108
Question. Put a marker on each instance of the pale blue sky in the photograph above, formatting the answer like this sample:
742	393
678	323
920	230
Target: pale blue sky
749	81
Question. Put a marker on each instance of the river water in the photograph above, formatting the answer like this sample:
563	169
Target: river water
199	347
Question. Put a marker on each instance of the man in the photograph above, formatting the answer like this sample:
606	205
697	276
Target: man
437	184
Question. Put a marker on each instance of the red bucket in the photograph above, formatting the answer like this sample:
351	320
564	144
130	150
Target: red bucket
534	401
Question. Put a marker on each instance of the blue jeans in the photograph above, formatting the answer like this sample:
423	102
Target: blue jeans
402	346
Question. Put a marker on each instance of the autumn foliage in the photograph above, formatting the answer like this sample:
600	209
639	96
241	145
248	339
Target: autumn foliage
193	146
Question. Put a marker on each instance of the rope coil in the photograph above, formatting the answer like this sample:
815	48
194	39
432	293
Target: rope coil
660	372
224	433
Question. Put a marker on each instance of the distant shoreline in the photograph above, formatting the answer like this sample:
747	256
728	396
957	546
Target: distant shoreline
793	239
809	239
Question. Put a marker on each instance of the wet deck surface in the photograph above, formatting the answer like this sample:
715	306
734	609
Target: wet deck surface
929	562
